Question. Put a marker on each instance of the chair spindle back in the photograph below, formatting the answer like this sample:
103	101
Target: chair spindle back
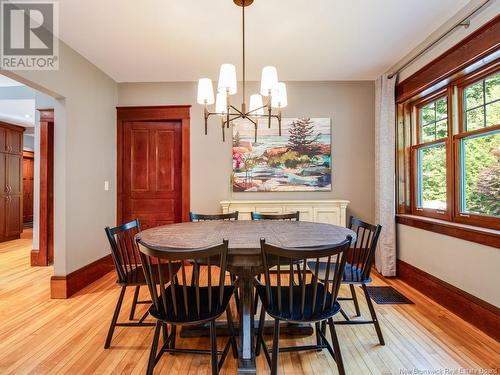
181	300
362	254
318	295
124	251
290	217
203	217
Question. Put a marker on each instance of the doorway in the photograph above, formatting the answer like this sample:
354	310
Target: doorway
153	165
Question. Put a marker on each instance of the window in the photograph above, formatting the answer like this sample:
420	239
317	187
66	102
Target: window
449	141
477	144
430	157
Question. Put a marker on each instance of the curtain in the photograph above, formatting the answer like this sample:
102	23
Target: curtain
385	207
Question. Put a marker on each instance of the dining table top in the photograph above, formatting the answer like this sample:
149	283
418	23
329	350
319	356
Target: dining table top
244	236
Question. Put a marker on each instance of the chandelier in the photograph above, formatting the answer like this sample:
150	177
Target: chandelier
270	88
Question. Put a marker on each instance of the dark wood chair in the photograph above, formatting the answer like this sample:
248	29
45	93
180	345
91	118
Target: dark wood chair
180	303
295	216
204	217
291	217
312	301
129	271
219	217
357	270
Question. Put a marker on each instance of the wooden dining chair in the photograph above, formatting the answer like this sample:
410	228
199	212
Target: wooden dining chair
179	303
129	271
193	217
204	217
357	270
309	301
295	216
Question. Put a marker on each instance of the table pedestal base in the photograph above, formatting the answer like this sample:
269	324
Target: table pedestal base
223	330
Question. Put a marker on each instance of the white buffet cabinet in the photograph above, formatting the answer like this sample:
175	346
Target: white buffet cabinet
332	211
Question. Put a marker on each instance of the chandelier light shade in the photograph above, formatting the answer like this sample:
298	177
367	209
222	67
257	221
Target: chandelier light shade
227	79
279	98
256	105
269	80
221	102
270	88
205	91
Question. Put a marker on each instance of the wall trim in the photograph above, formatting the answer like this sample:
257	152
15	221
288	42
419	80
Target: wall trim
66	286
476	311
483	236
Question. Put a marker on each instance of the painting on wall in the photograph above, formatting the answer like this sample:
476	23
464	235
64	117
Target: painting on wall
298	160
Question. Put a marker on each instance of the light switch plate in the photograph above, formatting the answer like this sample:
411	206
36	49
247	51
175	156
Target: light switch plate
106	185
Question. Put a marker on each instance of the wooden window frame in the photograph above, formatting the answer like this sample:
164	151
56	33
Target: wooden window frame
409	115
416	131
459	216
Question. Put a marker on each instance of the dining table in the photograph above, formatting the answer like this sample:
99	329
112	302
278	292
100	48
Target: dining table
244	257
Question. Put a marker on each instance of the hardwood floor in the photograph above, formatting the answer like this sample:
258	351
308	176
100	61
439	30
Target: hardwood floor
43	336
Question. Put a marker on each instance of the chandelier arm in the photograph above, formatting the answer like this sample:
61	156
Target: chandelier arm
237	110
234	118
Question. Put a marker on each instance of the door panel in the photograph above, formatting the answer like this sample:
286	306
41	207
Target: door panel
151	172
13	222
3	140
3	174
14	169
15	141
28	171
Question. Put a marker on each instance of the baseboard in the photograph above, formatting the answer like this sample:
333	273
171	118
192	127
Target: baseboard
34	257
66	286
477	312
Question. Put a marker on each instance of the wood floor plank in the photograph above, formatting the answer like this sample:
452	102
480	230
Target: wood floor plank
43	336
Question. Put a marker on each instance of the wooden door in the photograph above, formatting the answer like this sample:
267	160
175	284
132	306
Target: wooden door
152	172
28	186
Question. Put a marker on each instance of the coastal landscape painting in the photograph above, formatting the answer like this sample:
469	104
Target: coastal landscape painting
298	160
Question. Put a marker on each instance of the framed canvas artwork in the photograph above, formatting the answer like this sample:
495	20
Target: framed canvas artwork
298	160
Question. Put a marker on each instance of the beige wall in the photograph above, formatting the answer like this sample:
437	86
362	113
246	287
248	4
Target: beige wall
85	156
466	265
350	105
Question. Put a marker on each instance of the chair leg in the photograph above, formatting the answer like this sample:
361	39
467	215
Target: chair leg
115	318
355	299
276	348
213	348
336	347
260	331
134	302
232	332
173	332
236	294
373	315
256	298
165	334
317	328
154	349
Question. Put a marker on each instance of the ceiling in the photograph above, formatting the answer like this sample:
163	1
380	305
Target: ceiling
18	111
183	40
7	82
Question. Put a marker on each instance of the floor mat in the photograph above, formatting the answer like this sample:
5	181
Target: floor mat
386	295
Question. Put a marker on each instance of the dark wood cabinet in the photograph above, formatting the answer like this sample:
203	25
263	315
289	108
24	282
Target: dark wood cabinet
11	184
28	185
